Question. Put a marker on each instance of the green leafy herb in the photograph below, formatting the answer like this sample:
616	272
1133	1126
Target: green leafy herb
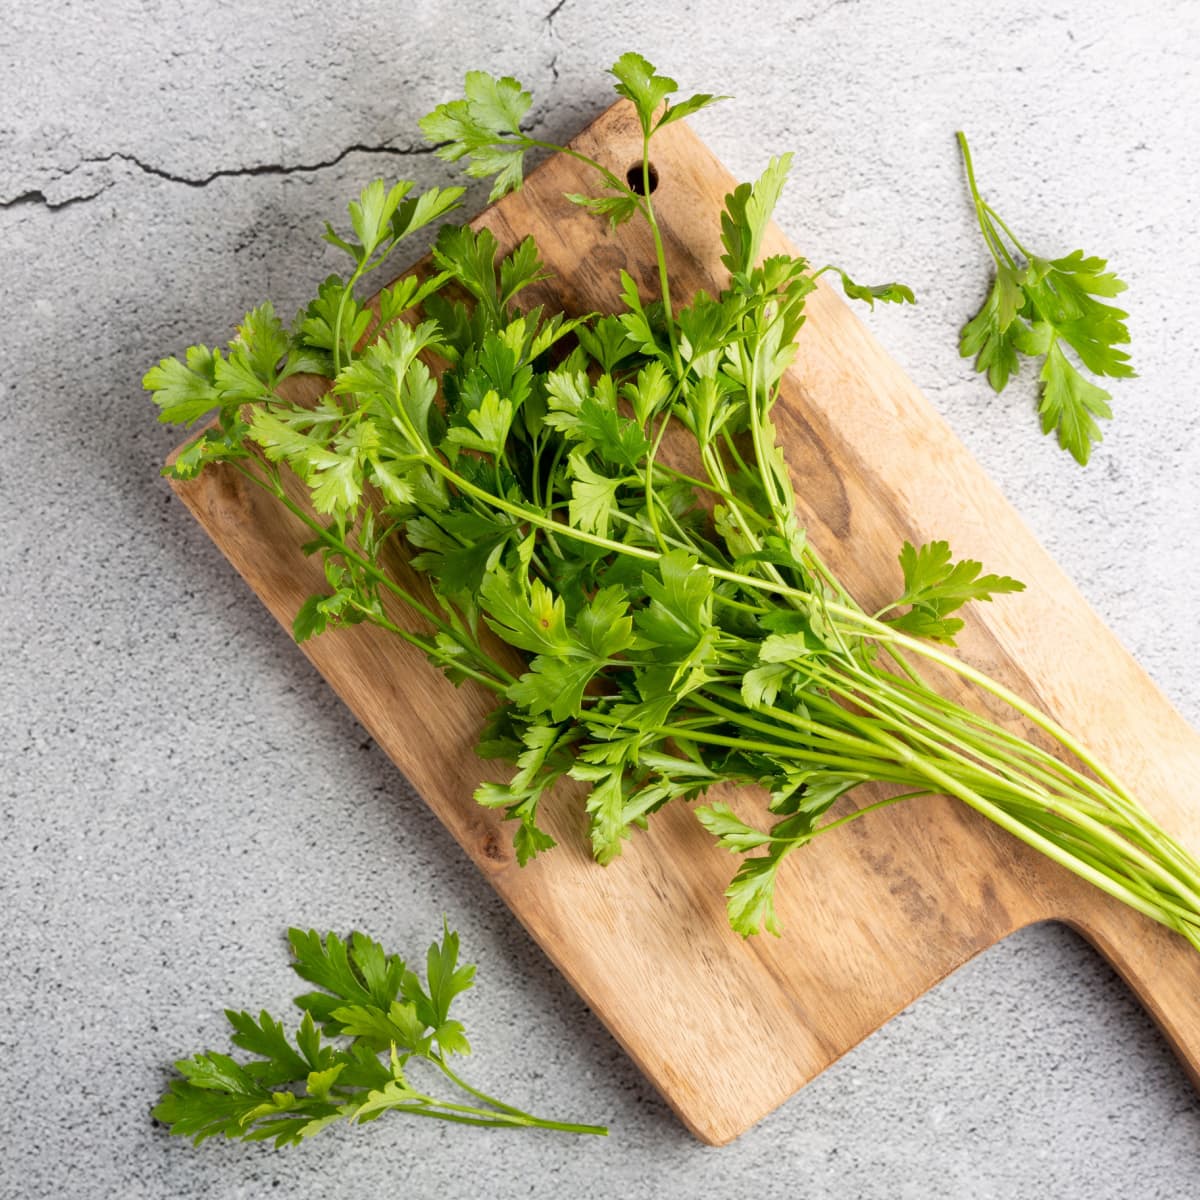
1038	306
666	629
357	1054
936	587
638	82
484	127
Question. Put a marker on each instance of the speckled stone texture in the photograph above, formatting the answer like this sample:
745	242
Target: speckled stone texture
178	785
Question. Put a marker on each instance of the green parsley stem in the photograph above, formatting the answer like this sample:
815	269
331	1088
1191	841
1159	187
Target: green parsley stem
503	678
651	495
714	466
704	485
879	767
992	738
518	1115
995	216
609	178
1024	792
534	517
812	729
870	808
448	661
965	671
462	1115
990	237
664	281
734	452
1022	830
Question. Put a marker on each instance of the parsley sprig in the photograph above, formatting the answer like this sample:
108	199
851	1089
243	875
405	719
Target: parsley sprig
355	1056
1040	308
605	494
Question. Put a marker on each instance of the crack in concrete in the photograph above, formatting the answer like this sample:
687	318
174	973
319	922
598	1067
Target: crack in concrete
548	21
266	168
39	196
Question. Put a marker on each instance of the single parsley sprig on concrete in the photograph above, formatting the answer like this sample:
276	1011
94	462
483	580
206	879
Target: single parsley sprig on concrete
1037	308
355	1056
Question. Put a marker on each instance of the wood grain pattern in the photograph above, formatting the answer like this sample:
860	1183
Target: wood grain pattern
725	1028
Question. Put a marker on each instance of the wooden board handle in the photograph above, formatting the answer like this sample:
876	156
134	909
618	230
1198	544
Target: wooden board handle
1161	968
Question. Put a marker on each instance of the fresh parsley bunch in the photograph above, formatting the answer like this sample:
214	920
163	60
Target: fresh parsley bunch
1039	308
355	1056
606	495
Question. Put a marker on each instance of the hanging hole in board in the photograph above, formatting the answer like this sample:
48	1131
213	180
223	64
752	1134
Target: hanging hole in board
636	180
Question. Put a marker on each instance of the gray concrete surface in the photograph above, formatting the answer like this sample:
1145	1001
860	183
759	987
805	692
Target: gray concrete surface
178	786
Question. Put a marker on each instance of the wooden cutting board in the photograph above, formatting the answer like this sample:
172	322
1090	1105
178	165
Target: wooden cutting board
728	1028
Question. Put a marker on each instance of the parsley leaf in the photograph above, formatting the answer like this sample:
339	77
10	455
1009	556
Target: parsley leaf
593	497
750	897
1035	307
618	208
1070	404
731	832
639	83
747	213
483	127
546	756
330	1069
889	293
184	393
934	587
990	337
